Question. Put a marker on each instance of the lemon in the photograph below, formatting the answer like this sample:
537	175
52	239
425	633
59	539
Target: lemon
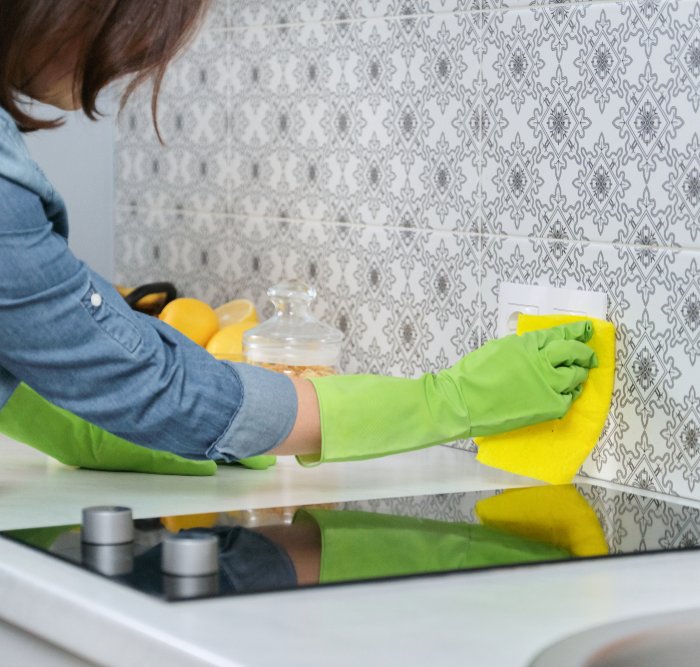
227	343
193	318
238	310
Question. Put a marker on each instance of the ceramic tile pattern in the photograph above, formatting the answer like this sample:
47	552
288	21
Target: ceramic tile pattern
408	156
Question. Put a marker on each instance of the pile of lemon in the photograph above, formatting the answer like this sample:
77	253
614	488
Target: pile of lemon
219	330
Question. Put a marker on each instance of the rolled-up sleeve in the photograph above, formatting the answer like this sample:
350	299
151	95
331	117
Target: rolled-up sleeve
68	334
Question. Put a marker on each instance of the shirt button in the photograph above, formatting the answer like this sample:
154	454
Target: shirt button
96	300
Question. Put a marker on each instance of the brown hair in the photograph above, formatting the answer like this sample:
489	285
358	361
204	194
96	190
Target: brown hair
114	38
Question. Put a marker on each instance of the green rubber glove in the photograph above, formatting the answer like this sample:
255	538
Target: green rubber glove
31	419
506	384
260	462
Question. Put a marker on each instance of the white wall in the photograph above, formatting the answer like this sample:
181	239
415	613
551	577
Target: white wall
78	158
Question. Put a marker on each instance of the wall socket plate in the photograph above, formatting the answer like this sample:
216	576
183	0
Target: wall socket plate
514	299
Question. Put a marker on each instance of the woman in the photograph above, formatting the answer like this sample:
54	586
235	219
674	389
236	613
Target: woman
112	388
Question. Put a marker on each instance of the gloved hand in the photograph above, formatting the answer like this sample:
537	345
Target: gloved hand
31	419
506	384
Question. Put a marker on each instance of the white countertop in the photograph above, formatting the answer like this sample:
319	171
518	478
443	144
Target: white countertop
500	617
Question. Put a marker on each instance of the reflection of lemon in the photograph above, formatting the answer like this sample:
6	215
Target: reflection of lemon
193	318
227	343
238	310
175	524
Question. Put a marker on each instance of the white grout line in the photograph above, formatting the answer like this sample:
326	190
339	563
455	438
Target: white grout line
422	230
394	17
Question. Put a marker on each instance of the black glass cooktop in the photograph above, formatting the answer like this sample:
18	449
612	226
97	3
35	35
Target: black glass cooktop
242	552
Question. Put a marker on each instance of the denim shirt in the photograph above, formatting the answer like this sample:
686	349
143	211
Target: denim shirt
69	335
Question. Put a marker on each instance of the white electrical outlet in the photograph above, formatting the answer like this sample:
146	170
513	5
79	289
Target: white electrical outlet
514	299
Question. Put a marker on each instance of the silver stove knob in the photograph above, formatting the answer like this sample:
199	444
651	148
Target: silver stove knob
190	555
107	525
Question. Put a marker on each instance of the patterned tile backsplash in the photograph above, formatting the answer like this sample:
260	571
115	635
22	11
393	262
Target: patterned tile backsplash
408	156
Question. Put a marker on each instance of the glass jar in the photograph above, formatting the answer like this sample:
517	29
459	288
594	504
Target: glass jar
293	341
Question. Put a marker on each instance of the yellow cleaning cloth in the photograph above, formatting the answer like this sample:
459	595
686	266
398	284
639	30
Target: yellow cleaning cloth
554	451
556	515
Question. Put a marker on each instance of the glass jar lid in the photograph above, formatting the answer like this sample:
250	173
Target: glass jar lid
293	336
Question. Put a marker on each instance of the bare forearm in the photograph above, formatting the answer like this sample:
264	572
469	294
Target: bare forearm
305	436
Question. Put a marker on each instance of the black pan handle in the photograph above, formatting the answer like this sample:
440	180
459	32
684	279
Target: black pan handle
168	289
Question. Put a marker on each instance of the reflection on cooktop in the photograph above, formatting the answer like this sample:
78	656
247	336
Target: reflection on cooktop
240	552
